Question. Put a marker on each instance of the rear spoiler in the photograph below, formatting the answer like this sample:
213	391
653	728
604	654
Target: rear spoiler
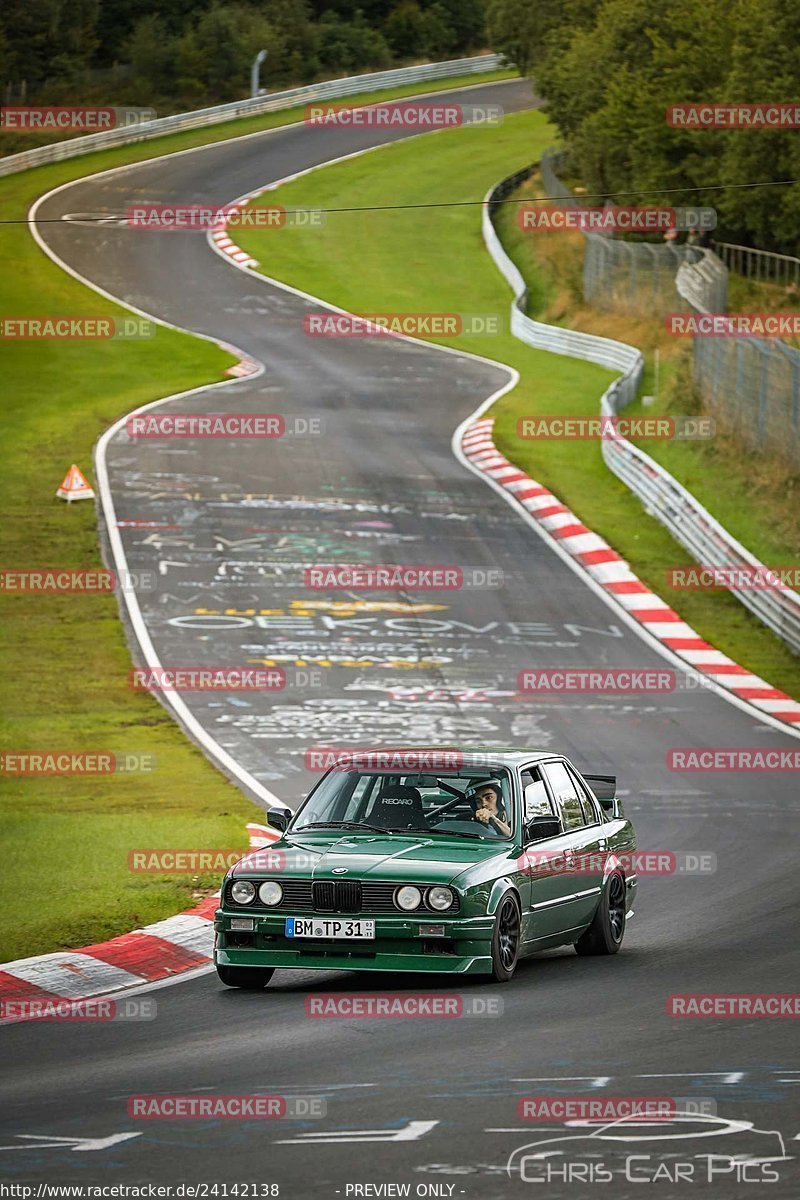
605	789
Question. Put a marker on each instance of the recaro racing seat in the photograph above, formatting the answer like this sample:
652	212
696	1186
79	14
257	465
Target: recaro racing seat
398	807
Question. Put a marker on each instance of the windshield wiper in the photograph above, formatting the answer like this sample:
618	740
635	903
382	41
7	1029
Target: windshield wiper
343	825
383	829
459	833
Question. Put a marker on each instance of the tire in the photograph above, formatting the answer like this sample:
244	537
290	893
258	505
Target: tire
506	938
605	934
252	979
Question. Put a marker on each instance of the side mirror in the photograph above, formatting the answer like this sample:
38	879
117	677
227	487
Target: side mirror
542	827
278	818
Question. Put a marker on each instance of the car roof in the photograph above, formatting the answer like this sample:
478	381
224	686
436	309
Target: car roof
474	756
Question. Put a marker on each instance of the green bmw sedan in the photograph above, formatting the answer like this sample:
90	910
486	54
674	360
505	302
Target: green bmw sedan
465	866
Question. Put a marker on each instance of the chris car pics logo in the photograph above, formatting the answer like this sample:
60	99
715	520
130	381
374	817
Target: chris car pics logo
672	1148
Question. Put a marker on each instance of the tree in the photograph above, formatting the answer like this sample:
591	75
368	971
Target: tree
35	39
438	35
295	56
214	57
346	47
467	19
764	64
519	28
405	30
152	52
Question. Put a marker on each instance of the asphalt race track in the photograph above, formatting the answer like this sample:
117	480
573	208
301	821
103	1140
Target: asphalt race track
381	484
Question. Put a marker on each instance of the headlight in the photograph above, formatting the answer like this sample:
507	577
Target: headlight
408	898
440	898
270	893
243	892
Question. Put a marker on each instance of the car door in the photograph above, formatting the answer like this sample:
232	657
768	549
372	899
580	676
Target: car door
551	885
585	840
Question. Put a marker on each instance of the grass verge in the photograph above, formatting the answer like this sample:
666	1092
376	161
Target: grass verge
434	260
64	841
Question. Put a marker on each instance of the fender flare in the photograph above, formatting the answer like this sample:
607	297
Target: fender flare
499	888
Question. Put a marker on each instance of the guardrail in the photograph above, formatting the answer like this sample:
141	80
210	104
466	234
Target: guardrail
331	89
617	356
703	282
663	497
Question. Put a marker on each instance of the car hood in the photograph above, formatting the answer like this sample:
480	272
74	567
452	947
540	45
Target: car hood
372	855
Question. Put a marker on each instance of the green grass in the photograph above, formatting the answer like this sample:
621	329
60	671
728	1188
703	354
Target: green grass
752	295
434	260
64	841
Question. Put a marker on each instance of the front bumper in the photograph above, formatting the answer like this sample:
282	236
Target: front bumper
397	946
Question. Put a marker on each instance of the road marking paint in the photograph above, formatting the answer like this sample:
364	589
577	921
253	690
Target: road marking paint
411	1132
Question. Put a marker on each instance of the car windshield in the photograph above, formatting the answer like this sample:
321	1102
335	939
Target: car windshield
471	802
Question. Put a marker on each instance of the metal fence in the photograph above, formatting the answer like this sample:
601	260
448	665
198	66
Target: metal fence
750	385
763	266
752	388
634	277
331	89
662	495
631	277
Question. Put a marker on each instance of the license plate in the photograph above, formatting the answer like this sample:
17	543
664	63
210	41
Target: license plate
328	927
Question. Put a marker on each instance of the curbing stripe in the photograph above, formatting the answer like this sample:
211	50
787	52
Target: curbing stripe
158	951
615	577
147	956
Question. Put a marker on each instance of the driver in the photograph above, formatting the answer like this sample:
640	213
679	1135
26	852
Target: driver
488	798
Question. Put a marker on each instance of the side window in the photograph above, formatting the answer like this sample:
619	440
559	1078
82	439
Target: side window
566	793
535	798
589	805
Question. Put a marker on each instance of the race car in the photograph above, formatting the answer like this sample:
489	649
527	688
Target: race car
461	862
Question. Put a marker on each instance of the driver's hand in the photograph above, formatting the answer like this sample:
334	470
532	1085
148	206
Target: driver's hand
483	815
